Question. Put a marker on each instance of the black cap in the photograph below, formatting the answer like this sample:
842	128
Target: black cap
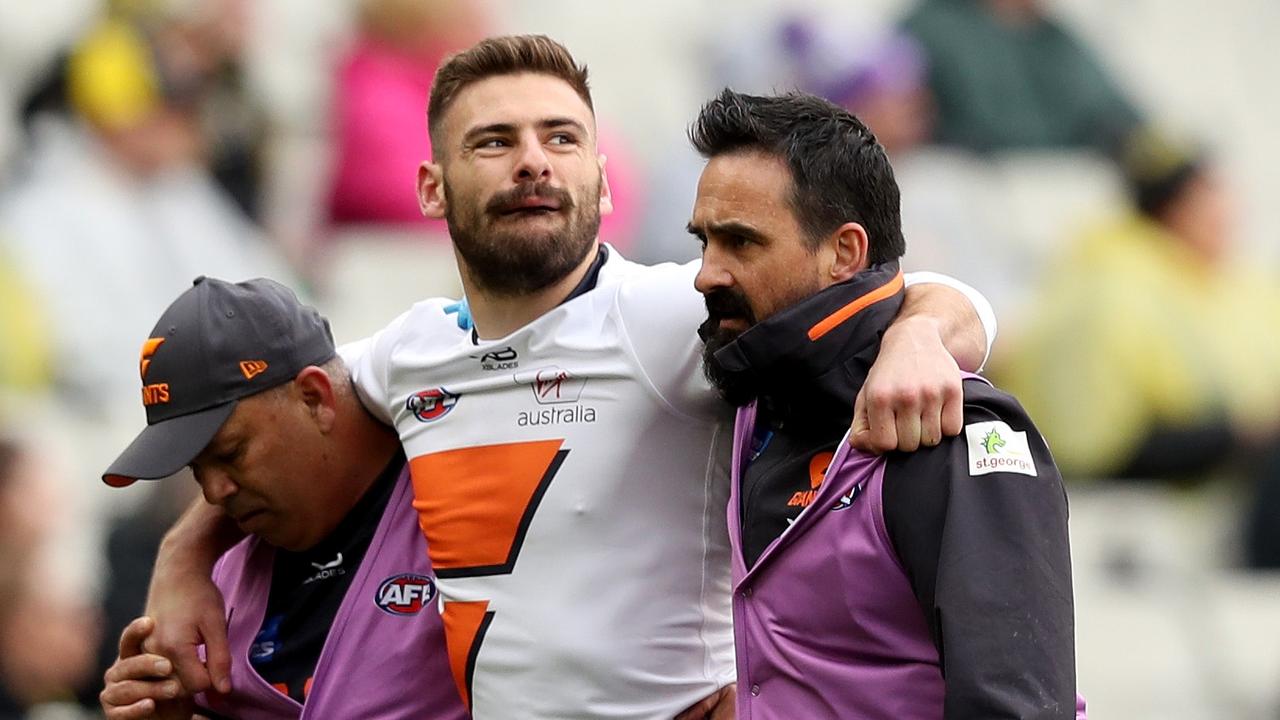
217	343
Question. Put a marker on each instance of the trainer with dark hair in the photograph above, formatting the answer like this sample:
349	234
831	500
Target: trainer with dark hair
915	586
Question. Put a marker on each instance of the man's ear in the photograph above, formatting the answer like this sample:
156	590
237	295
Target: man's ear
431	195
314	388
849	245
606	195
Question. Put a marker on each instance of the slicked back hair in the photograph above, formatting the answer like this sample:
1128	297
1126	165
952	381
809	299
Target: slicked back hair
503	55
839	172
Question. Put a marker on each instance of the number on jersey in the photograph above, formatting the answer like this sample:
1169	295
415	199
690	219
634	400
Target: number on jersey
475	505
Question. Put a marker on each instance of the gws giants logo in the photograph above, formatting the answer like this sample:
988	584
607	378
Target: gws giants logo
818	465
405	594
155	393
432	404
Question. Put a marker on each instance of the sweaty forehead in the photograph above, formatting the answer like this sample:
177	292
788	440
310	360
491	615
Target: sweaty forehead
522	99
745	186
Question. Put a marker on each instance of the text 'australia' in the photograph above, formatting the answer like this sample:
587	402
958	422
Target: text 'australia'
557	416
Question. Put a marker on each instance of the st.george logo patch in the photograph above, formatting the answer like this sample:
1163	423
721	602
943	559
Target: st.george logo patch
996	447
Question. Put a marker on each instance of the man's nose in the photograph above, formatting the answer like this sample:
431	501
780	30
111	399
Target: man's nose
713	274
532	163
216	485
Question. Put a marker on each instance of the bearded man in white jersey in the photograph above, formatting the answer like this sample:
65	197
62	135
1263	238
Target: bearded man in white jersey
567	453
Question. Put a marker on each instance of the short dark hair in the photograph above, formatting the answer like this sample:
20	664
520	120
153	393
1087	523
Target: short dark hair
839	172
504	55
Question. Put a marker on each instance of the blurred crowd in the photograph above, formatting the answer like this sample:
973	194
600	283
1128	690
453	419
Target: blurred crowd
143	147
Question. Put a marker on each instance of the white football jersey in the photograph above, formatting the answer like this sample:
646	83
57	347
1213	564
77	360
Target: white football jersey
571	480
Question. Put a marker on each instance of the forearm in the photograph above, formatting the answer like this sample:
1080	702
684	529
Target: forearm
965	328
195	542
186	604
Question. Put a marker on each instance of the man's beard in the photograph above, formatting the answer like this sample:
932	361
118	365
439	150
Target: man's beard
516	261
723	303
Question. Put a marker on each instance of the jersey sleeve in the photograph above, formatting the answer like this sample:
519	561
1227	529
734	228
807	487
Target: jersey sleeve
368	362
980	526
986	314
660	312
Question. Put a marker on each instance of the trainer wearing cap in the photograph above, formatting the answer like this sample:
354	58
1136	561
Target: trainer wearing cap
331	599
221	342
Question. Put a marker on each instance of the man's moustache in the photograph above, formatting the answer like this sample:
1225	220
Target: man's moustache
508	199
723	304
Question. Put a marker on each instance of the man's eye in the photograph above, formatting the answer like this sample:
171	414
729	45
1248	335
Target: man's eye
492	143
562	139
739	240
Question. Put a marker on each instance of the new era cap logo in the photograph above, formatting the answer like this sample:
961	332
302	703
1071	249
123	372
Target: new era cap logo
252	368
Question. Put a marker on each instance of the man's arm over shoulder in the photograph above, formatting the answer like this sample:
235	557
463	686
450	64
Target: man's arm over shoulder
966	321
369	362
980	524
912	395
661	312
186	605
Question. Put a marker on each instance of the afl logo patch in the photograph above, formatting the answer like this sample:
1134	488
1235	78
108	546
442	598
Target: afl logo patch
432	404
405	594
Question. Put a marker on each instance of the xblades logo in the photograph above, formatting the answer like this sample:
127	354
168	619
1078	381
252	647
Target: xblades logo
337	562
324	571
504	359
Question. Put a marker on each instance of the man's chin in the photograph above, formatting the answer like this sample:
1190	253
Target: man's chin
731	328
737	390
535	236
719	332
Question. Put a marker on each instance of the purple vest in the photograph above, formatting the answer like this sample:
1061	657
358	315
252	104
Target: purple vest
385	654
826	624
